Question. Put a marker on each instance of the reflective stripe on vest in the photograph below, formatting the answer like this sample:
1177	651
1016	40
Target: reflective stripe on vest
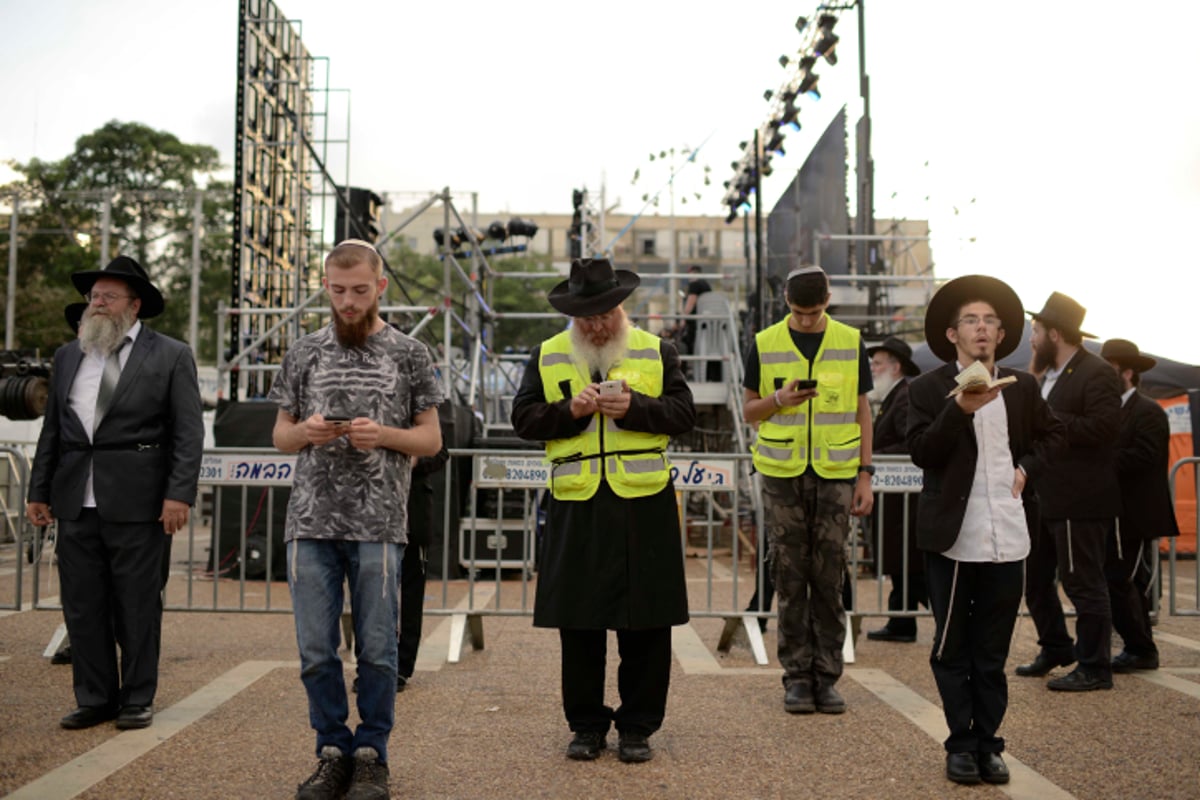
633	463
824	431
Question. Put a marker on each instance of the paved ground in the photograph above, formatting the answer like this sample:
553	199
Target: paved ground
232	722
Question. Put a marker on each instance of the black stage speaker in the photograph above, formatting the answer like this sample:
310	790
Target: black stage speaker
248	424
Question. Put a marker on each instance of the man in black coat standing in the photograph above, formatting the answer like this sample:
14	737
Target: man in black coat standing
982	453
117	463
605	397
1143	462
1080	501
891	368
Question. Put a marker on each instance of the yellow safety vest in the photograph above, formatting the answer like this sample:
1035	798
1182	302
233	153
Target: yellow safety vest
633	463
823	431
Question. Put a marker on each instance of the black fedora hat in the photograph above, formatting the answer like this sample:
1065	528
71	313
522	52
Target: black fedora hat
594	287
130	271
1062	313
943	310
73	313
901	350
1126	354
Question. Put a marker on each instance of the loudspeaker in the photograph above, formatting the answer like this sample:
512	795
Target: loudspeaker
249	424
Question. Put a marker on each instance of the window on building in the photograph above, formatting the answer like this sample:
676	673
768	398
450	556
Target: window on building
647	246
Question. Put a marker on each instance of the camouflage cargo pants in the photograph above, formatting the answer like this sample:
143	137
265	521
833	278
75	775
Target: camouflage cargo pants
808	520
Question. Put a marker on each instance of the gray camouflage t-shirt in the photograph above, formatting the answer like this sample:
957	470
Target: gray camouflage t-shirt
341	492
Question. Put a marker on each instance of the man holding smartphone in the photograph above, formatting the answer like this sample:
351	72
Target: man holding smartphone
806	385
606	397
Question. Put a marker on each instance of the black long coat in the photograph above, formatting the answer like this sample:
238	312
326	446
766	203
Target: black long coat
608	562
1143	455
888	438
941	439
1083	483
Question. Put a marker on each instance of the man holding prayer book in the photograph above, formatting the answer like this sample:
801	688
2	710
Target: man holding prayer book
982	451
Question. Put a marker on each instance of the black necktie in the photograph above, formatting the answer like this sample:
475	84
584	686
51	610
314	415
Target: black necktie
108	383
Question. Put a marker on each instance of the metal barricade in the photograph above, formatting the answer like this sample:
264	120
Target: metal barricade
1173	592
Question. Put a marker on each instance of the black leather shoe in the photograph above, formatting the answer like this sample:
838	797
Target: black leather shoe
61	656
132	717
1042	664
829	701
586	746
634	748
1080	680
87	717
1126	661
798	699
962	768
992	768
886	634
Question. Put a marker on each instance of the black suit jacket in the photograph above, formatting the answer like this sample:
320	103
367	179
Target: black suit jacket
941	440
1083	483
889	436
147	448
891	426
1143	465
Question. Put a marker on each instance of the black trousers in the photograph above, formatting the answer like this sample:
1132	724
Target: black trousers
412	605
1128	571
643	678
975	610
112	575
1077	548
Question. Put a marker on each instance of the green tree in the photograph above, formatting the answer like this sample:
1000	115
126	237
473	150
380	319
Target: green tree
150	176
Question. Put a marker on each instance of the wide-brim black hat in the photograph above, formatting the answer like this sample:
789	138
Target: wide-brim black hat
1126	353
130	271
593	287
73	313
945	304
901	350
1062	313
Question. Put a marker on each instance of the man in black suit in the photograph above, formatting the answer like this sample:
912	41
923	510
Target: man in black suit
1143	462
982	452
117	463
891	368
1080	500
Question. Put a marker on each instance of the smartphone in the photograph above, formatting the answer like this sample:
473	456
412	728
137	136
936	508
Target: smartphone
806	384
338	420
610	387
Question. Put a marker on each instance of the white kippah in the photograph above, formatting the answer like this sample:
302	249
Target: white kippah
357	243
807	269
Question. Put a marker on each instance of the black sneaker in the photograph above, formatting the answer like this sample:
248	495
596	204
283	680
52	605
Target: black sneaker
330	779
370	781
586	746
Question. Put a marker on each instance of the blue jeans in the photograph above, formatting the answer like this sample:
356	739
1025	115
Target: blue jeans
316	572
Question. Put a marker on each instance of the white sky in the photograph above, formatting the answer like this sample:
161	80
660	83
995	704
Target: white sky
1068	123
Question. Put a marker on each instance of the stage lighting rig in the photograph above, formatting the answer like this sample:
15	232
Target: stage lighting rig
826	39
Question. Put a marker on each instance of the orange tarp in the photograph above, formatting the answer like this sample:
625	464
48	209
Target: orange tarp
1181	446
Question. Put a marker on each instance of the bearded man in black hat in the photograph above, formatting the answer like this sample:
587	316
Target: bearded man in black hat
1080	500
117	464
983	453
891	369
605	397
1143	464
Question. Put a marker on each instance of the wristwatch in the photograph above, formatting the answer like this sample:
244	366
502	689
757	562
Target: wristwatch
867	468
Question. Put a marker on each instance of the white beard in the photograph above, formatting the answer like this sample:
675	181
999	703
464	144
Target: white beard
600	359
102	333
883	386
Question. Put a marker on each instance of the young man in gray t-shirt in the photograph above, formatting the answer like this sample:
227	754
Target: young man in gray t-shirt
356	400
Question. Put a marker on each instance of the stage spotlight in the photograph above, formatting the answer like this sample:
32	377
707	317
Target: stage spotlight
789	116
775	143
497	231
521	227
784	61
767	95
801	24
826	39
807	79
467	234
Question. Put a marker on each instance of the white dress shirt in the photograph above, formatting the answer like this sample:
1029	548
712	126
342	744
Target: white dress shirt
994	528
86	387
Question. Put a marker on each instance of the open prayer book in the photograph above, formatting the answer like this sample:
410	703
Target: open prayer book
976	378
